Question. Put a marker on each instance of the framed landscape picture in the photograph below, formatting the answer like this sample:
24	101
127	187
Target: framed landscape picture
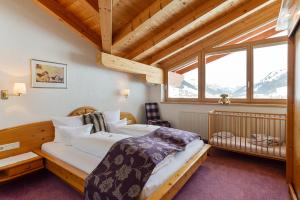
47	74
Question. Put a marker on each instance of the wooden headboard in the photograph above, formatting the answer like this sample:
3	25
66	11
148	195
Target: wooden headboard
32	136
88	109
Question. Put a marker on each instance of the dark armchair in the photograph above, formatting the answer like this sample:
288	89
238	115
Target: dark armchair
153	115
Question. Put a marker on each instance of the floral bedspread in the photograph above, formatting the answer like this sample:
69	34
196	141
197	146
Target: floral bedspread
127	166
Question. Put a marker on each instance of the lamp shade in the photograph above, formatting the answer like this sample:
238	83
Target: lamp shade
125	92
19	89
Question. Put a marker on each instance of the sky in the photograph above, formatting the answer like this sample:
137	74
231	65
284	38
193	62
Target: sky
230	71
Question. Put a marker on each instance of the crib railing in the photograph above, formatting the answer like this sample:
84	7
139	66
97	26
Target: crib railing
261	134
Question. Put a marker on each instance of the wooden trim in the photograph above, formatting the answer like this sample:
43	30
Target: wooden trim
76	177
173	185
290	110
19	163
153	74
72	175
213	27
263	42
70	19
292	192
217	104
105	12
249	153
30	136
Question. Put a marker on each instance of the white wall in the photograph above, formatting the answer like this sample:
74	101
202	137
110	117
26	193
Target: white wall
171	112
27	31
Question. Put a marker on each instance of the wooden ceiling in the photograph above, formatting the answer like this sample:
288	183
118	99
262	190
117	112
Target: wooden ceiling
165	32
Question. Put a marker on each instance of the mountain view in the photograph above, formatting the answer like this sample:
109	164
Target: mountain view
274	85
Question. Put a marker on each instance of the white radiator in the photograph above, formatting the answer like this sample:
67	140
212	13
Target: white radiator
196	122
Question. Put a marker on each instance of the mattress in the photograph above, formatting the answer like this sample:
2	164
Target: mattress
88	162
241	144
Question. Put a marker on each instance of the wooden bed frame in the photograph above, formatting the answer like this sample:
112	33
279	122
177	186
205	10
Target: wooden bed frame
42	132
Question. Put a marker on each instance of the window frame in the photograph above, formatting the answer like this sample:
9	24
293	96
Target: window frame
166	78
262	100
249	47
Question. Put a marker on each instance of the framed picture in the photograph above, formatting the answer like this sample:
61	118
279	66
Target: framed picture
47	74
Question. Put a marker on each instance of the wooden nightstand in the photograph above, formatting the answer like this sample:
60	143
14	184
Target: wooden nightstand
19	165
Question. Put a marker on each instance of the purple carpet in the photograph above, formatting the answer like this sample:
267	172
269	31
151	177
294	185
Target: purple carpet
224	176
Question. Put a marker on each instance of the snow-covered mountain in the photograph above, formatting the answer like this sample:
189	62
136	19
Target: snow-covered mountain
273	85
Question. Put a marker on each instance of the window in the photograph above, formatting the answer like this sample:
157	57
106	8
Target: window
220	74
270	71
183	80
253	72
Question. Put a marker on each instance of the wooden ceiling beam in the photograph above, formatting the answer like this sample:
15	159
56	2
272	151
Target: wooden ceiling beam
262	16
201	33
70	19
152	74
169	31
245	37
105	11
125	33
93	4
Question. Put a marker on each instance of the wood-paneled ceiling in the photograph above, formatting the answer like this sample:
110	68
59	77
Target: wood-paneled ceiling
163	32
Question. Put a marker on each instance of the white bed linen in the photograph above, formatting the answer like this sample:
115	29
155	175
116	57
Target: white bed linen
98	144
241	143
134	130
87	162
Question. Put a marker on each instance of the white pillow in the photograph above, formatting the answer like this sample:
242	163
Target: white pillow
65	134
111	116
112	125
67	121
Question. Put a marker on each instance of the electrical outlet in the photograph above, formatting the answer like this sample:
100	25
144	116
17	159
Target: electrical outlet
10	146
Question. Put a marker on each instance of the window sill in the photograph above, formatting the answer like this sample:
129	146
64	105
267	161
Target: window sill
232	104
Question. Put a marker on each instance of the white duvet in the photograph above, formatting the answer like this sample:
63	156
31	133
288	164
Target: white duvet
98	145
134	130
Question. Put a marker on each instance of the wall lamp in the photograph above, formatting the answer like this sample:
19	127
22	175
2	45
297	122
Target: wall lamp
125	92
19	90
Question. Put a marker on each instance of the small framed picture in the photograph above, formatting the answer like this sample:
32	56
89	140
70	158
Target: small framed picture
47	74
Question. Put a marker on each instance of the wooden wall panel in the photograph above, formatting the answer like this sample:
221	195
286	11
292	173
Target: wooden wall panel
296	143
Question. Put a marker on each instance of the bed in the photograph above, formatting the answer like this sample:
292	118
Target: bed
163	184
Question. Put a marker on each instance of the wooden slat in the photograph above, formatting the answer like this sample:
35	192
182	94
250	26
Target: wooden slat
191	17
153	74
105	10
262	16
59	11
136	22
216	25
